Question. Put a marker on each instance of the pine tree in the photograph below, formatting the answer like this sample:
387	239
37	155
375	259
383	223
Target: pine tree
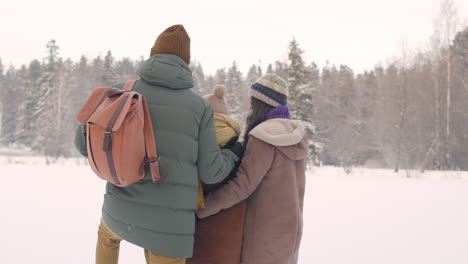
281	69
21	96
236	92
125	69
300	92
210	82
26	121
1	71
199	85
358	117
97	73
82	84
9	103
270	69
139	62
220	76
109	77
254	73
48	113
2	91
459	142
65	112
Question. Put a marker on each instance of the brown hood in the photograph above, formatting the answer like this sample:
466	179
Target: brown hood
287	135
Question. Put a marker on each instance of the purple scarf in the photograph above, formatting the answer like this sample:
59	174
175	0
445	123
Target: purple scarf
279	112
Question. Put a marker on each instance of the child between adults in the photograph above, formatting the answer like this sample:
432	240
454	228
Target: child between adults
218	238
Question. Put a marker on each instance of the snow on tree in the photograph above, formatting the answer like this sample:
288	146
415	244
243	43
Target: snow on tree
220	76
53	102
125	70
27	83
358	117
2	90
66	112
300	92
447	24
109	77
82	84
10	105
236	96
23	114
43	116
281	69
299	79
210	82
270	69
459	149
199	84
98	73
254	73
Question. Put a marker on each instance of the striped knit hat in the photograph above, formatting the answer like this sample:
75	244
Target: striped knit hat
274	82
174	40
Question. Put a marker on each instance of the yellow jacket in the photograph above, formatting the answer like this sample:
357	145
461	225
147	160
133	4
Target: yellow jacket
226	129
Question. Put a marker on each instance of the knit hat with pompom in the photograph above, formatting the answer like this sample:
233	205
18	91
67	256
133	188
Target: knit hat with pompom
217	101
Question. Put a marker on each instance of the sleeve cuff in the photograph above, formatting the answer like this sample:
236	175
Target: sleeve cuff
231	155
209	210
202	213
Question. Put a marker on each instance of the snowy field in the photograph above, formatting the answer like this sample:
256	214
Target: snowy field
49	214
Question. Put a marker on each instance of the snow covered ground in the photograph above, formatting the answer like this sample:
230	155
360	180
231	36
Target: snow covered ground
49	214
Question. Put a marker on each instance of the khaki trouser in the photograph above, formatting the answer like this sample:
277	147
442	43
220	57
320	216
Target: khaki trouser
107	249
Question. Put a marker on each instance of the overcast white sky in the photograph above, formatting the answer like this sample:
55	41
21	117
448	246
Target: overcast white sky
359	33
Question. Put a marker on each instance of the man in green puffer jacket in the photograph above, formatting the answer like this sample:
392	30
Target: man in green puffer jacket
160	217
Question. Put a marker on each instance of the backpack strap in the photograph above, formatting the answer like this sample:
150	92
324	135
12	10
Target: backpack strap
152	158
107	148
129	85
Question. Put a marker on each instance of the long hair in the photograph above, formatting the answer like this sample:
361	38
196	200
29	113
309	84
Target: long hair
258	113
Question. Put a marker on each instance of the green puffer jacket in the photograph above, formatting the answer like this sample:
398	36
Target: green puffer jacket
160	217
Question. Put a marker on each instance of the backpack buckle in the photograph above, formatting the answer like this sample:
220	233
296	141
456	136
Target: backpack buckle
153	160
107	141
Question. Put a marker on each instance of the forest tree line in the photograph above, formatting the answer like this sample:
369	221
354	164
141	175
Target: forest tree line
411	113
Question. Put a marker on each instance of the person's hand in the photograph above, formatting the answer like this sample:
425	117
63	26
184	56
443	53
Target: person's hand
231	142
238	149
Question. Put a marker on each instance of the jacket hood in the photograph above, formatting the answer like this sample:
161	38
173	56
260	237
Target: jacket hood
226	128
166	70
287	135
